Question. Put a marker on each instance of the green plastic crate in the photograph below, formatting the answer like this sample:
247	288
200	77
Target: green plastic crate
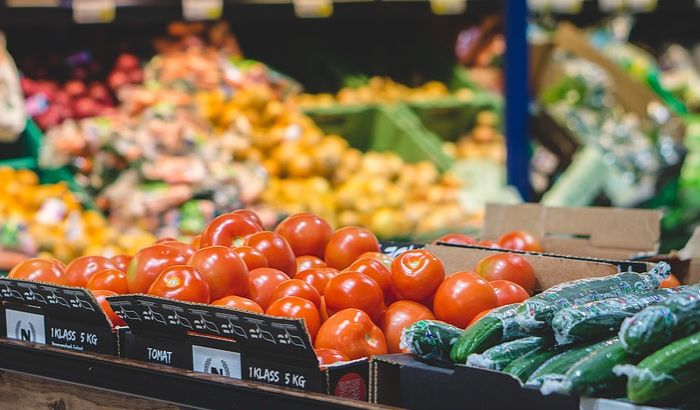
23	152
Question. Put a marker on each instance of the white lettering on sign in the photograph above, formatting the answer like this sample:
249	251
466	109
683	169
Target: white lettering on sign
266	375
64	334
162	356
216	361
295	380
25	326
89	338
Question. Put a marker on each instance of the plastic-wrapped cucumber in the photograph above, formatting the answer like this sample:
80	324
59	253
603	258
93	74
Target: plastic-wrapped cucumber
496	327
601	319
556	367
430	340
658	325
538	311
523	367
498	357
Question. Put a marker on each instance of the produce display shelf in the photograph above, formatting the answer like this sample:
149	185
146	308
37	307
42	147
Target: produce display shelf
154	382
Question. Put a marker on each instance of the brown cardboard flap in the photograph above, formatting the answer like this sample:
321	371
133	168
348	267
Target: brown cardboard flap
593	232
691	252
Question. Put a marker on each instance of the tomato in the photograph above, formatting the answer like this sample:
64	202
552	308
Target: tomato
297	308
263	282
385	259
166	239
121	262
323	311
508	292
276	249
329	356
306	233
240	303
181	282
375	270
223	269
479	316
346	244
150	262
399	315
487	243
227	230
251	215
40	270
352	333
252	257
508	266
461	297
298	288
109	279
520	241
317	277
195	242
670	282
81	269
101	297
354	290
184	248
305	262
416	274
458	238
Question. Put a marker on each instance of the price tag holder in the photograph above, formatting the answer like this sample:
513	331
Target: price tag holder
94	11
26	326
196	10
313	8
216	361
447	7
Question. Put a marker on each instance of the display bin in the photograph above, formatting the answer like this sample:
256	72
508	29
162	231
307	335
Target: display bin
24	151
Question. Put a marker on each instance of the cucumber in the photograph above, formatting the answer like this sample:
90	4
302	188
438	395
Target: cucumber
498	357
666	374
593	376
539	310
601	319
523	367
430	340
658	325
556	367
496	327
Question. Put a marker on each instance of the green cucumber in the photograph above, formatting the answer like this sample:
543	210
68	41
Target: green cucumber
538	311
498	357
668	373
523	367
496	327
430	340
601	319
658	325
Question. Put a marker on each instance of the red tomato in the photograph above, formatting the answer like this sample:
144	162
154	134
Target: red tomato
195	242
81	269
228	229
184	248
670	282
263	282
508	266
323	311
240	303
166	239
109	279
252	257
305	262
317	277
40	270
416	274
461	297
399	315
251	215
297	308
150	262
487	243
520	241
298	288
385	259
306	233
121	262
181	282
329	356
277	251
479	316
223	269
458	238
354	290
346	244
508	292
375	270
101	297
352	333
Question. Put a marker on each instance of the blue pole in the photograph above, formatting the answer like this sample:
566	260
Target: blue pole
516	96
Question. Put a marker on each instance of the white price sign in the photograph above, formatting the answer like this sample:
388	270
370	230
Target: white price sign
445	7
25	326
202	9
313	8
94	11
216	361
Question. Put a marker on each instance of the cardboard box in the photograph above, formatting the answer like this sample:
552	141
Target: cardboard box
59	316
232	343
685	263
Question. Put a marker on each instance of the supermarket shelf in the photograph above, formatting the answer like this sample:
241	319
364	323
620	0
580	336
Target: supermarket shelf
176	386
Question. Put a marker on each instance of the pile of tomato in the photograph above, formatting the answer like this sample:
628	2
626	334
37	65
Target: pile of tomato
354	300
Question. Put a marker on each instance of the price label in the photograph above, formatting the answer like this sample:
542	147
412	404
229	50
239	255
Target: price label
94	11
446	7
202	9
216	361
25	326
313	8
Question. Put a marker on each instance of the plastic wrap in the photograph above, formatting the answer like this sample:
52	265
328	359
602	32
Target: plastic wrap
556	367
499	356
430	340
